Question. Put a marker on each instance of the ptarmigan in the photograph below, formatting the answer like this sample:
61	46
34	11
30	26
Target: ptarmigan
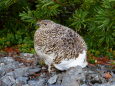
59	46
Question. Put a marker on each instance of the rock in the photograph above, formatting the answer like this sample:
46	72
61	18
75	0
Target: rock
53	79
41	82
55	85
59	79
7	60
2	64
33	70
32	83
7	80
7	68
17	84
7	63
22	80
2	72
83	85
21	72
43	75
28	55
92	78
72	77
105	84
30	58
14	73
113	84
10	74
26	85
44	68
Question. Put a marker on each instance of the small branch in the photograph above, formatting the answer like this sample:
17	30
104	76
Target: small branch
58	2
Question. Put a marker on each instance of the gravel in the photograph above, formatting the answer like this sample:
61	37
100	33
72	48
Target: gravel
16	73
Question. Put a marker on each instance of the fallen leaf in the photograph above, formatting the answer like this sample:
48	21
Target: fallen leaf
22	60
107	75
32	76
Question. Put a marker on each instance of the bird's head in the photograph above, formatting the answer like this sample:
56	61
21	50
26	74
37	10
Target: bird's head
45	23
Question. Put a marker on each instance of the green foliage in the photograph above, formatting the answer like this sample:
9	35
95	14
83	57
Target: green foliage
26	48
93	19
79	19
97	22
6	3
13	30
29	16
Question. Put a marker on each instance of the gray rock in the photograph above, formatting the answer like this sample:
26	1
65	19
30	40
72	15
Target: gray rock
26	85
53	79
33	70
55	85
3	84
21	72
44	68
83	85
41	82
9	67
72	77
8	80
29	55
95	78
17	84
7	60
2	64
105	84
10	74
32	83
2	73
22	80
59	79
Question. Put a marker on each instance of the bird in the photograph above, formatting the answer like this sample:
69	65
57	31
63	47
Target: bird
59	46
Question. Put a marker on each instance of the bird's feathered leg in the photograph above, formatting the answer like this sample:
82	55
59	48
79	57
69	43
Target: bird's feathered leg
49	68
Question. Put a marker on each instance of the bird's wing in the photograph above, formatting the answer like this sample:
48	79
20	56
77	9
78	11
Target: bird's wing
71	44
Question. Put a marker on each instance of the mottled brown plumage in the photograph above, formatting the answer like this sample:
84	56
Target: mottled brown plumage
55	43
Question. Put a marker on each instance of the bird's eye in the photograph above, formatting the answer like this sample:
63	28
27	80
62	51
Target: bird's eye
45	24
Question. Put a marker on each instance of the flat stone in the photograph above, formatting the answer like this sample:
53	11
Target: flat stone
8	59
26	85
53	79
44	68
17	84
2	64
32	83
33	70
21	72
40	82
55	85
26	55
22	80
105	84
8	80
9	67
83	85
2	73
59	79
10	74
73	76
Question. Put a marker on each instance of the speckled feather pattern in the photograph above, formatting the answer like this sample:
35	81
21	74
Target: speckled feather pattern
59	40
